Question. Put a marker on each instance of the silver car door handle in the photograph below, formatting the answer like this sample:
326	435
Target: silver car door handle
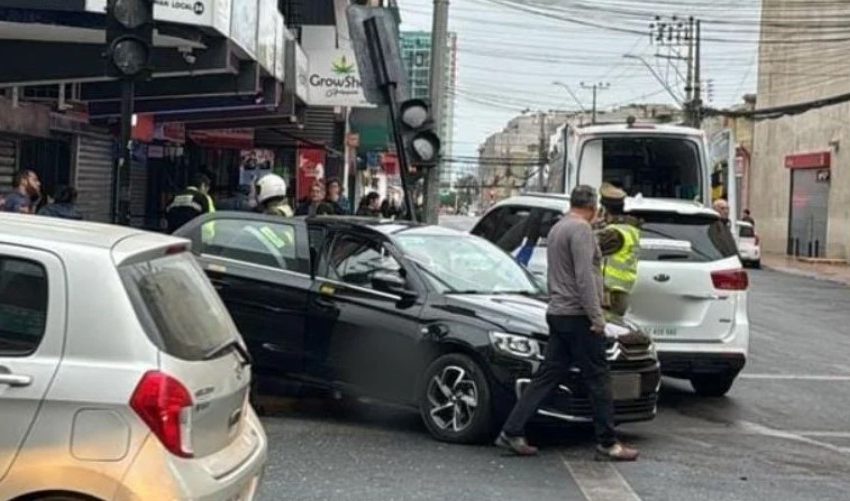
15	380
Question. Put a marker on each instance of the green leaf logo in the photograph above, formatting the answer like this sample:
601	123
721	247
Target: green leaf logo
342	66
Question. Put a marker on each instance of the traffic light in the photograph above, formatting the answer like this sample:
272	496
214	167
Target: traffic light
129	38
420	140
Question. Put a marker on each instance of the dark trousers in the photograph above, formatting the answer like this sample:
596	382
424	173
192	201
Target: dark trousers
571	342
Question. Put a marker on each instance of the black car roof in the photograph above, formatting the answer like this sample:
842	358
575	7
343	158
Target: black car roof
387	227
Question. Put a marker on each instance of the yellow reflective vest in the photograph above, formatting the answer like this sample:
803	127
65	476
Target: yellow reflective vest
620	271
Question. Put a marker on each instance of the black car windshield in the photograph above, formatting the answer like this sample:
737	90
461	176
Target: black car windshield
466	264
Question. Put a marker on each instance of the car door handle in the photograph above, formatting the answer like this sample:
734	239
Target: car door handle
15	380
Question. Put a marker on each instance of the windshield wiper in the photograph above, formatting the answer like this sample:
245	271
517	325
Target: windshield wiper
233	344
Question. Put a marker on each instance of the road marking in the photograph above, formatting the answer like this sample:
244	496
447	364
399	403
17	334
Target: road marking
800	377
749	428
600	481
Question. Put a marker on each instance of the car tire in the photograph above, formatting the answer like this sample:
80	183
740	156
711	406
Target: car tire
757	264
455	400
712	385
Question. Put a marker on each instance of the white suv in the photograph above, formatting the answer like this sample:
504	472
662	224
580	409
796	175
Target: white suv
122	375
691	293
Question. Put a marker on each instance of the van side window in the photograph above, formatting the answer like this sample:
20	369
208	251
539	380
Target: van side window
23	306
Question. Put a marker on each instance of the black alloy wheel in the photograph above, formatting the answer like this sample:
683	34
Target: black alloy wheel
455	400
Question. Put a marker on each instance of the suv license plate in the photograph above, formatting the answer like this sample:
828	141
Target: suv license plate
662	331
625	386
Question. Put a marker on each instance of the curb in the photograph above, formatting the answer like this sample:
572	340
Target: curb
806	274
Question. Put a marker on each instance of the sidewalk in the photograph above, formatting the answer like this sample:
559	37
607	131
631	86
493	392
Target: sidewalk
832	272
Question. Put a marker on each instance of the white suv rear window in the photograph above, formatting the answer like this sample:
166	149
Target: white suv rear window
179	308
675	237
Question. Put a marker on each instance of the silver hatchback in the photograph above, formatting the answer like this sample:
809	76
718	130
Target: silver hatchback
122	375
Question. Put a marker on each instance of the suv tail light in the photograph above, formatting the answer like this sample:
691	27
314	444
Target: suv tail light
164	404
730	280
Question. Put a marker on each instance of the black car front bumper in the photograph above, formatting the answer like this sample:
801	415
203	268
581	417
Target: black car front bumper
635	383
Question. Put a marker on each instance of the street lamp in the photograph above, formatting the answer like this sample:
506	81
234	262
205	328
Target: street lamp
572	94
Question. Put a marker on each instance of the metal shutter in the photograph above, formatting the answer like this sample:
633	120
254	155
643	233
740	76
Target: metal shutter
93	179
8	159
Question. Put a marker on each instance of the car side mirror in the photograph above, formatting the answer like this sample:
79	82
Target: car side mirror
392	283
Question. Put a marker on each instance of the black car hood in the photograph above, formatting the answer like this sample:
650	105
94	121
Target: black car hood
508	312
526	315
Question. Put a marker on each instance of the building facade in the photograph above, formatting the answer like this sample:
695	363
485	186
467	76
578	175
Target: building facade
416	54
801	163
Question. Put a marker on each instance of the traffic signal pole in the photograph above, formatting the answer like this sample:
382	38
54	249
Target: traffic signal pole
121	215
390	88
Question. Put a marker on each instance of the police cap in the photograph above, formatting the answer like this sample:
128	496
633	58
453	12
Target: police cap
611	195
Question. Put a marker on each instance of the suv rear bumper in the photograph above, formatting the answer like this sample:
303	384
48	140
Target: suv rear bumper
682	364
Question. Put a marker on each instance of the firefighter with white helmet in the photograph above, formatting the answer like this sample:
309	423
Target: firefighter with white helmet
271	196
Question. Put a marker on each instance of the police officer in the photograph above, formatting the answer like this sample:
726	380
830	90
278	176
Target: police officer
619	241
190	203
271	196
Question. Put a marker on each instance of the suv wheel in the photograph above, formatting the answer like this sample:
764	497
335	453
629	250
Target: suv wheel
454	400
712	385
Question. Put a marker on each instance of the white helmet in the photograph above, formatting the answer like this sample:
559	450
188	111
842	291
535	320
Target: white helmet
270	186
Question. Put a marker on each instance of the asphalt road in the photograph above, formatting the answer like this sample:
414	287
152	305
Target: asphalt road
782	433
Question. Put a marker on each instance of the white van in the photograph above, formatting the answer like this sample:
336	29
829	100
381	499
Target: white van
656	161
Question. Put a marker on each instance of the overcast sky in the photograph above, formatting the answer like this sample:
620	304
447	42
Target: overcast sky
510	52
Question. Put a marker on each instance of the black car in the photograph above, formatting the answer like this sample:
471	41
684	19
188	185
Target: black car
423	316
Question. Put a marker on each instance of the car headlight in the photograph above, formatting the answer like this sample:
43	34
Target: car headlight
516	345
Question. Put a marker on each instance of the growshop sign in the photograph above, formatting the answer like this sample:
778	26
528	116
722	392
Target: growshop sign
334	79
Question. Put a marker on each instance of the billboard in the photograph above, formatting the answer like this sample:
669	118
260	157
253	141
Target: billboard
334	79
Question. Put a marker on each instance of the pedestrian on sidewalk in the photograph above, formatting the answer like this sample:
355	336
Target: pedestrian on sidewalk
335	198
27	192
748	218
722	208
576	332
370	205
63	205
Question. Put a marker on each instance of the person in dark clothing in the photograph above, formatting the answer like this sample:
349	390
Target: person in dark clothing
334	197
63	205
576	332
27	192
370	205
748	217
192	202
310	206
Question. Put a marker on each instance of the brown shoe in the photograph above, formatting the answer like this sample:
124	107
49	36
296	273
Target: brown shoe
517	445
617	452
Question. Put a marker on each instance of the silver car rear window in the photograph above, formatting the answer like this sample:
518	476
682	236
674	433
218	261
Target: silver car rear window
178	307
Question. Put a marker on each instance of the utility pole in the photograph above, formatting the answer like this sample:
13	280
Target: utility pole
543	157
674	33
439	53
595	87
697	102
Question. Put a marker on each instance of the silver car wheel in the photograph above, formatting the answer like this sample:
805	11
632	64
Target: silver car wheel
453	399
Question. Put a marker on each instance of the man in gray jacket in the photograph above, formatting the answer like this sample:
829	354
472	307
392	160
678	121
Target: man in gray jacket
576	332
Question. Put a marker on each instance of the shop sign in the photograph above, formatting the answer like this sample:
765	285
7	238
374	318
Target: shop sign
194	12
254	164
172	132
302	73
311	170
816	160
267	34
240	139
334	79
243	25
